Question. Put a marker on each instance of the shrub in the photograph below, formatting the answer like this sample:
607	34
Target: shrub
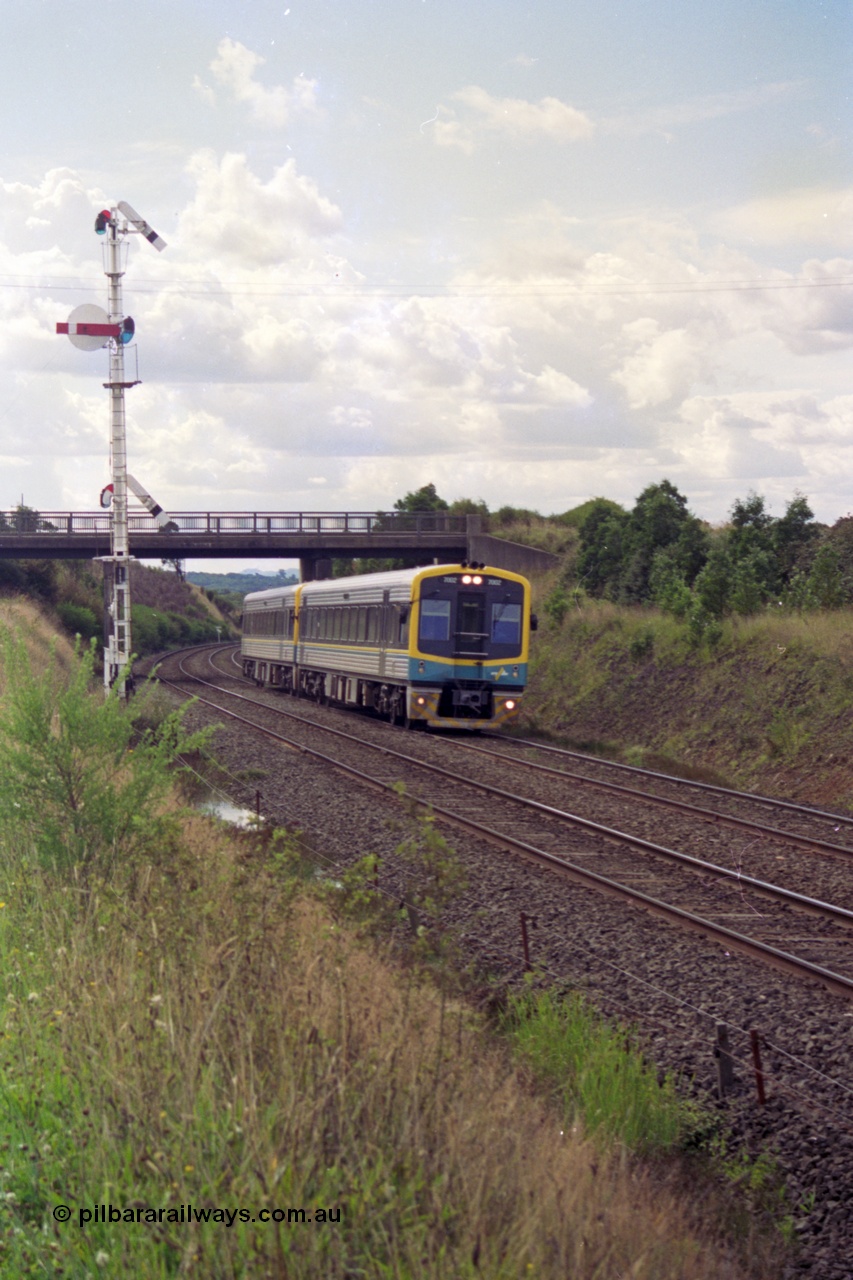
78	619
73	789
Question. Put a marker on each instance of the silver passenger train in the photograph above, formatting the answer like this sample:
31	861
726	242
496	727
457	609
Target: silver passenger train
444	645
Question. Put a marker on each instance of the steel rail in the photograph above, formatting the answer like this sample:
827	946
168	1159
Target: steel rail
813	905
753	796
812	843
784	960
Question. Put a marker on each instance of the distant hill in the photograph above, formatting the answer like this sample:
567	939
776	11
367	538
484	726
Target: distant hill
233	586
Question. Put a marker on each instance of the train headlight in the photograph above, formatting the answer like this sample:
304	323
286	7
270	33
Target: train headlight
477	580
421	701
466	579
510	704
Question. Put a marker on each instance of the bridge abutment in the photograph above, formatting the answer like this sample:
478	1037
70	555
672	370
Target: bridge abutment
314	568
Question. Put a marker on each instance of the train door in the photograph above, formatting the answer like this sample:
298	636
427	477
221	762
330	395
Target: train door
384	629
471	634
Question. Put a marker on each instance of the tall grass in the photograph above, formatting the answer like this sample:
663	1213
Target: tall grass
190	1032
190	1040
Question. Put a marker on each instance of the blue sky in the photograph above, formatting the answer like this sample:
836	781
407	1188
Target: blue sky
527	252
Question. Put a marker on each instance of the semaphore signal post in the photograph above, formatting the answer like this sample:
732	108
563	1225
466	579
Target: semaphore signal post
89	327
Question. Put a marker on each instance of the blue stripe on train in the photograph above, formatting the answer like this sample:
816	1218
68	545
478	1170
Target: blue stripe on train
503	675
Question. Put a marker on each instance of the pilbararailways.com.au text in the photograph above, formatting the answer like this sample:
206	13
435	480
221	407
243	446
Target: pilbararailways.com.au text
189	1214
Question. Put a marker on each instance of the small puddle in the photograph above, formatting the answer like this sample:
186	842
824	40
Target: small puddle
227	812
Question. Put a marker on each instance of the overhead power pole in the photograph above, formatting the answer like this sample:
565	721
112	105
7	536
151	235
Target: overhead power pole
90	328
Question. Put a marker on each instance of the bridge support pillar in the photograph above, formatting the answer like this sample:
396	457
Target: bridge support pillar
314	568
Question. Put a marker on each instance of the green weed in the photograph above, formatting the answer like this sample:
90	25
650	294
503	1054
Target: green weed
598	1076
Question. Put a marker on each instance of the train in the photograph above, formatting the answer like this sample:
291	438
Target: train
440	646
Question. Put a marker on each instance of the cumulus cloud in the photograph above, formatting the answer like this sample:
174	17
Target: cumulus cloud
234	70
573	358
236	217
480	113
666	363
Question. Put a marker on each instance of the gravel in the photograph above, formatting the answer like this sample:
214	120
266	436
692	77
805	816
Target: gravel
674	986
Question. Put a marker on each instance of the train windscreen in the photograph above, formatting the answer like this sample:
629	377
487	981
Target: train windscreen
460	617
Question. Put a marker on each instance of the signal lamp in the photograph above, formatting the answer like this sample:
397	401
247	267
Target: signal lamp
102	222
128	329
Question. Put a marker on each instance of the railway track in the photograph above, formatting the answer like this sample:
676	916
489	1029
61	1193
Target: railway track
787	928
673	984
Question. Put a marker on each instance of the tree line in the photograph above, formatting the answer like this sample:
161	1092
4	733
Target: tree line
660	553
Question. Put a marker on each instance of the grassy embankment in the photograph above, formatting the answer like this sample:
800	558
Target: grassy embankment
766	704
166	611
762	702
187	1022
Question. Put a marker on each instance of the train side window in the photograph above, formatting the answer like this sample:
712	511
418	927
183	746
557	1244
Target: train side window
361	633
373	624
435	620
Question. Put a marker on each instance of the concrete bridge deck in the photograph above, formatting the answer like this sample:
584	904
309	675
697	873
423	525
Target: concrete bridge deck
312	537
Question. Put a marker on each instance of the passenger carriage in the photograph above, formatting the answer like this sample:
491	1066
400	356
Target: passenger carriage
442	645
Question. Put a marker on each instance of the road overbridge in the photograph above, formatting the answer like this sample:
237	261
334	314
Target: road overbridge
314	538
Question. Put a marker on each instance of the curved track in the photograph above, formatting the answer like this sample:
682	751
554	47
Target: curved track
671	983
788	928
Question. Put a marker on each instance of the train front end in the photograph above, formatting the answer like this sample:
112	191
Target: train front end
468	646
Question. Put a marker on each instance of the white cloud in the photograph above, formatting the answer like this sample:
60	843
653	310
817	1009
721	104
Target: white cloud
235	218
666	363
703	107
809	215
514	118
579	357
234	69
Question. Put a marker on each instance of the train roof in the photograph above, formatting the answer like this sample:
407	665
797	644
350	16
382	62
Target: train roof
389	579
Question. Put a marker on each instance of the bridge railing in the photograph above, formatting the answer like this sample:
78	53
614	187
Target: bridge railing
231	522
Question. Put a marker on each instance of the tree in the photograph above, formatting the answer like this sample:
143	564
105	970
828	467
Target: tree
749	582
618	549
468	507
177	564
825	589
423	499
714	584
602	537
751	527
